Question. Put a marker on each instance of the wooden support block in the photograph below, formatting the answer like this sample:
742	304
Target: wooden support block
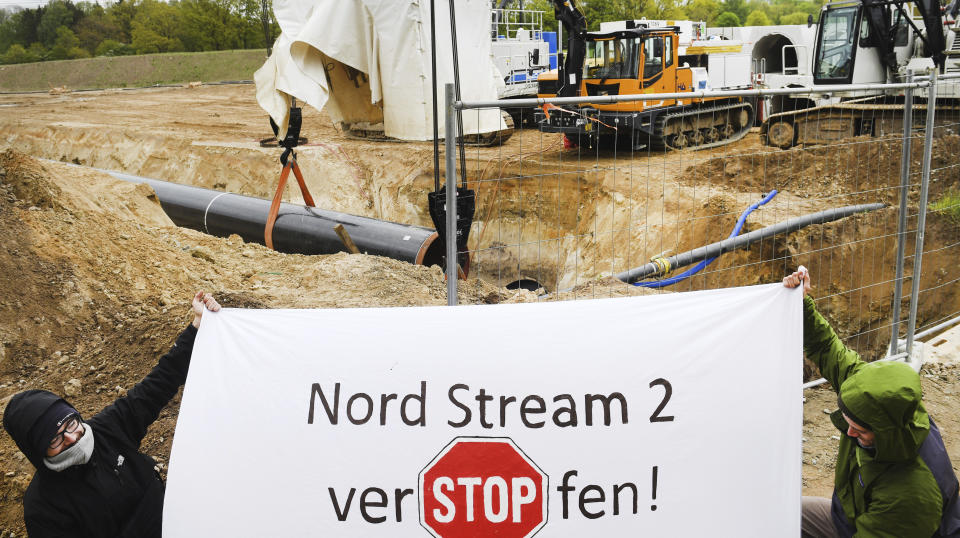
345	237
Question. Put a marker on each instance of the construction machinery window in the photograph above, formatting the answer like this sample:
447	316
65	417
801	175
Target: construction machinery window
615	58
667	51
837	38
901	30
653	51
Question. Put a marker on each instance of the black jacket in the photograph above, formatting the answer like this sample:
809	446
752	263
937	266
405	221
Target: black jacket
118	493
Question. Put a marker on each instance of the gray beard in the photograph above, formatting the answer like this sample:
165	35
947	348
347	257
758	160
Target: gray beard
78	454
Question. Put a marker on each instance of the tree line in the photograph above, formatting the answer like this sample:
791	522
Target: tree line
64	30
714	12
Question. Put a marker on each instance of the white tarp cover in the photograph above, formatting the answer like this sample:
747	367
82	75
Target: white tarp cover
389	42
725	439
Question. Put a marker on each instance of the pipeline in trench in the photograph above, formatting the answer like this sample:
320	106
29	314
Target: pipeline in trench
298	229
662	266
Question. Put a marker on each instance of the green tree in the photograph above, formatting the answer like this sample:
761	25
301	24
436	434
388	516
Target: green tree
796	17
210	25
156	28
147	41
16	54
738	8
620	10
595	12
703	10
55	15
549	21
253	34
727	19
96	26
778	9
123	14
110	47
38	51
758	18
664	9
67	46
7	29
25	25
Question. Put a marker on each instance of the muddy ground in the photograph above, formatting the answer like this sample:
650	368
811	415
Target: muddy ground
95	280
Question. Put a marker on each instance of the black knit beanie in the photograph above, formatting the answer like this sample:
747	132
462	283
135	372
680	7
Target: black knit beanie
47	425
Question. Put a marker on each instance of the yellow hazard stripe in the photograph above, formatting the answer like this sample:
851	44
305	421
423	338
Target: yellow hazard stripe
711	49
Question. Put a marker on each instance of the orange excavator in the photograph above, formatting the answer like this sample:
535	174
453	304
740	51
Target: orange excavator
637	60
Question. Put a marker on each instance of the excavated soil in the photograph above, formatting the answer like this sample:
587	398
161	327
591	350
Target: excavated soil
95	280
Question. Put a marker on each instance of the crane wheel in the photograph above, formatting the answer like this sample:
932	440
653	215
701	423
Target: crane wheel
728	130
781	134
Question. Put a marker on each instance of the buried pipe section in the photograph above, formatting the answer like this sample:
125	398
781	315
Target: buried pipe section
298	229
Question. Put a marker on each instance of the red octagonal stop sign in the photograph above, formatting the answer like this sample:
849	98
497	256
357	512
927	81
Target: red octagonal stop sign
483	486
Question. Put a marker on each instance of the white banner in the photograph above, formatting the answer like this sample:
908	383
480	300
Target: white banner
668	415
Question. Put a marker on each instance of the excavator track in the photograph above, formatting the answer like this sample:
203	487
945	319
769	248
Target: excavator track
701	127
832	123
693	133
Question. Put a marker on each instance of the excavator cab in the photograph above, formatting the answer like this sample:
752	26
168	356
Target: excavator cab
658	59
611	65
630	62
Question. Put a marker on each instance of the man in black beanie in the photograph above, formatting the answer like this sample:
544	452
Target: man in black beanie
91	479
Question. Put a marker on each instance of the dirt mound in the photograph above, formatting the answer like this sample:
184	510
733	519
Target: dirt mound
25	179
861	165
95	283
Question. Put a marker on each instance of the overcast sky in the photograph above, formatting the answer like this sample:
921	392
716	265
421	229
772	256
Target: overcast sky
22	3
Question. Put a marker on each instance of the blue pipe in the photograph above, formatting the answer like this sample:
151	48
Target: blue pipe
699	267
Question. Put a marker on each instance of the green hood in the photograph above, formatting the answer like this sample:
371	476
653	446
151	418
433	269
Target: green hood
885	398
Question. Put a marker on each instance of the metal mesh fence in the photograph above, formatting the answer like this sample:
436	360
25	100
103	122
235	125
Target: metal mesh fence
563	215
938	297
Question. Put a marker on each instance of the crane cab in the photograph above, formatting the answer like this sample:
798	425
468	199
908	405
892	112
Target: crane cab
844	37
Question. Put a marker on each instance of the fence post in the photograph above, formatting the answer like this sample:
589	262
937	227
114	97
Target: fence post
922	211
450	140
902	225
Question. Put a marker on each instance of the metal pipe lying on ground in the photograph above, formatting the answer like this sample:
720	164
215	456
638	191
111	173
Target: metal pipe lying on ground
658	267
298	230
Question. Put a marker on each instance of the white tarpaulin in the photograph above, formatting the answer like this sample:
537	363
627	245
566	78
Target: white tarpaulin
368	62
669	415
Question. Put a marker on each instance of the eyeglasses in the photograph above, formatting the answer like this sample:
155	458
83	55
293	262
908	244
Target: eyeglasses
73	423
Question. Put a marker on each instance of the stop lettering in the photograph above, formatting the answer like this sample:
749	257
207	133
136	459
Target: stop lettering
483	486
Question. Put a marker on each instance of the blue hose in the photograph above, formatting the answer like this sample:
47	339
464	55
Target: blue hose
699	267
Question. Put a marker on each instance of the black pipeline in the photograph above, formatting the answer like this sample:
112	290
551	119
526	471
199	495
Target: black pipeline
741	241
298	230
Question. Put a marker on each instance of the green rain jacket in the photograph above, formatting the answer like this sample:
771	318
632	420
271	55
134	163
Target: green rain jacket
905	486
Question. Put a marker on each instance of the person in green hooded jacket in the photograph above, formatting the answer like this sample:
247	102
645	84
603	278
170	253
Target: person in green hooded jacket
893	475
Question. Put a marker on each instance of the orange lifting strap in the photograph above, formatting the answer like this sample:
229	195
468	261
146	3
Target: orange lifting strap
288	164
